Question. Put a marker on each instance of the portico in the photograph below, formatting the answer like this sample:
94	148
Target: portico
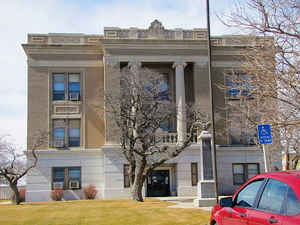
180	76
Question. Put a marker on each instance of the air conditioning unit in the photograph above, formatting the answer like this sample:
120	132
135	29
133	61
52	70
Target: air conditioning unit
58	143
58	185
74	97
74	184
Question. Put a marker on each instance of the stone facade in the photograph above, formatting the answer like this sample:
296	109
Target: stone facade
182	54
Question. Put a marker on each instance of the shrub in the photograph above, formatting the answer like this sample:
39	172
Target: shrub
90	192
57	194
22	192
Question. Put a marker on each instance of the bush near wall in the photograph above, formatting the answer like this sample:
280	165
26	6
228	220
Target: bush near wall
90	192
57	194
22	192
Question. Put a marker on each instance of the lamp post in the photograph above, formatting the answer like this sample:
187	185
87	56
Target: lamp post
212	101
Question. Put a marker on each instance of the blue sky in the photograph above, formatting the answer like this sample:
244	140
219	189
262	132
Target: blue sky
20	17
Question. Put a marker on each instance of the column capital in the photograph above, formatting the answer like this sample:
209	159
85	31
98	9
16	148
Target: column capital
179	63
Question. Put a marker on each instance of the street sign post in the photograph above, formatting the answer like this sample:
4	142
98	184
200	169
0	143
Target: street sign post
265	137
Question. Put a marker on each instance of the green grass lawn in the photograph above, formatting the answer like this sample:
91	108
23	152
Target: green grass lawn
93	212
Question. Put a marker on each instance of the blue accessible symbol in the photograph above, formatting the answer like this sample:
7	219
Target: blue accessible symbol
264	134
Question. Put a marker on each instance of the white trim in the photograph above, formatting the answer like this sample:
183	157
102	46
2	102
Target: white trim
155	58
237	148
65	63
65	151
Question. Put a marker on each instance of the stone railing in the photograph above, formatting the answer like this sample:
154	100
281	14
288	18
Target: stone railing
71	39
171	138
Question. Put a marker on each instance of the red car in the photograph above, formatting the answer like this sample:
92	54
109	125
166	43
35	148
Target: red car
269	198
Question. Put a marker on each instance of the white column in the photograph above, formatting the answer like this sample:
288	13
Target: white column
180	100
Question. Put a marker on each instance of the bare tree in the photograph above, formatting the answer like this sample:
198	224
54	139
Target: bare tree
141	110
273	66
13	163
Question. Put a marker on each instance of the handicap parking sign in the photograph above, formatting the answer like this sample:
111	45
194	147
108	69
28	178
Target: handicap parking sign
264	134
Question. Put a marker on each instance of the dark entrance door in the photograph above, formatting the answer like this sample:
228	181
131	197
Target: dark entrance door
158	184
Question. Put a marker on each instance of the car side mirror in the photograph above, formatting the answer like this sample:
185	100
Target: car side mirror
226	202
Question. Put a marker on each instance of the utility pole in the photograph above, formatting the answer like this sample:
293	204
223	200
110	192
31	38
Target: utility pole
212	102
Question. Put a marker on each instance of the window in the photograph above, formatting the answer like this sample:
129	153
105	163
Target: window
238	85
273	196
194	174
66	178
292	204
163	87
66	86
247	196
74	133
66	132
244	171
239	132
58	87
126	176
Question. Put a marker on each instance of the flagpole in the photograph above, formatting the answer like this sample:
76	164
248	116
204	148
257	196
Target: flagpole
212	102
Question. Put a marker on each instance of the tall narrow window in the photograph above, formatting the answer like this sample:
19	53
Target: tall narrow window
58	87
238	174
58	178
235	131
58	133
74	133
74	177
194	171
163	88
126	176
74	87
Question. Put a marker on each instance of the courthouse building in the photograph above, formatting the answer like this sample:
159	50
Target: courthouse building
65	75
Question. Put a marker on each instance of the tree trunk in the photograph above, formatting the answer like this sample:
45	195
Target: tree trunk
295	164
287	159
14	188
136	191
137	187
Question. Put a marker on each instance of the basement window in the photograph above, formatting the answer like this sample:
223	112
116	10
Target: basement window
66	178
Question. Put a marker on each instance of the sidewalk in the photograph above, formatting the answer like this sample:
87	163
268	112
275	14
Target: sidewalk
5	203
186	202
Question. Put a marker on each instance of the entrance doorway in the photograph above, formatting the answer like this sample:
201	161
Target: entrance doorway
158	183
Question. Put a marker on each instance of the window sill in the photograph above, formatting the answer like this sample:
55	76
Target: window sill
69	189
66	148
64	102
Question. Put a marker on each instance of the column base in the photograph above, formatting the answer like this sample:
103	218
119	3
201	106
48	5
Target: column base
206	194
206	189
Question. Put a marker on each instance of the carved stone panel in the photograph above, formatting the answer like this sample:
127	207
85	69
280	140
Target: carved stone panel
66	109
